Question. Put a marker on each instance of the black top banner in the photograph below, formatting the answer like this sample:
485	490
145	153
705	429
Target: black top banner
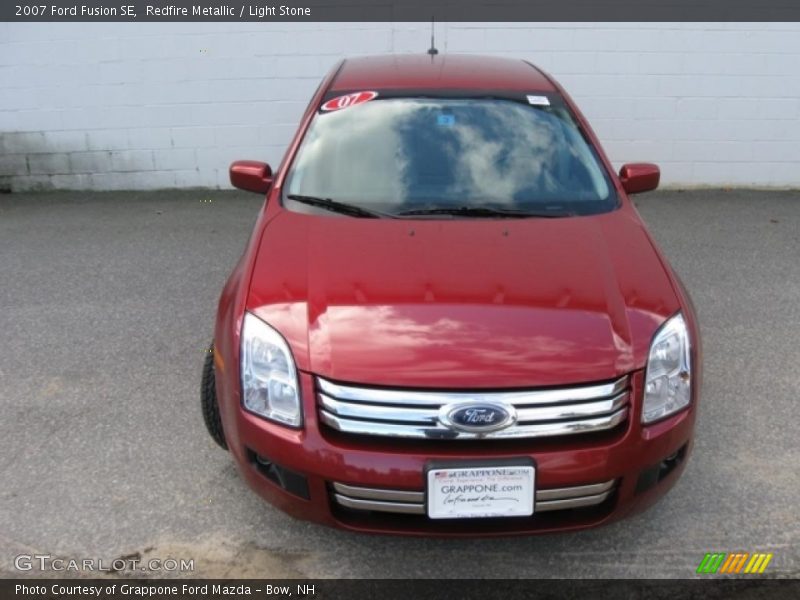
400	10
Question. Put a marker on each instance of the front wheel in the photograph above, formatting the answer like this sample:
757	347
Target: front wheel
208	401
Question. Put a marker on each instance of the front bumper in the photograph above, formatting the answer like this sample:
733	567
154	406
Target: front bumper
296	469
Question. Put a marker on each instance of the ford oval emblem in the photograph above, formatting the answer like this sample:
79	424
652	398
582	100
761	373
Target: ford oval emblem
477	417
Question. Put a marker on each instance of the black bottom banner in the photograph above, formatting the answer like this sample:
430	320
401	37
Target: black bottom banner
389	589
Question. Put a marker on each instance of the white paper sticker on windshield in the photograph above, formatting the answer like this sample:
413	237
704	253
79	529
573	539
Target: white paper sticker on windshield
539	100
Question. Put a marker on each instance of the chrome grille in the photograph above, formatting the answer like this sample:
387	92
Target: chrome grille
413	503
415	414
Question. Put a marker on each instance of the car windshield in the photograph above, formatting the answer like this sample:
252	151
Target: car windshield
407	155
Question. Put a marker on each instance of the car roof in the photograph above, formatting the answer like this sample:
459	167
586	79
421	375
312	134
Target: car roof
443	71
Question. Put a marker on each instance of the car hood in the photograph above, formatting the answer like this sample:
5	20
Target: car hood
462	303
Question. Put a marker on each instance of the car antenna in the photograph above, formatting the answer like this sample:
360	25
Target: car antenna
432	50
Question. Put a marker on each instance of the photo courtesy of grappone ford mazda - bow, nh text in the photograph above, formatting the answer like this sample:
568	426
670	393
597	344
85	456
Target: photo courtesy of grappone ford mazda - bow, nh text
450	318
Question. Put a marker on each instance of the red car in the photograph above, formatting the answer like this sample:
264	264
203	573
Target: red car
450	318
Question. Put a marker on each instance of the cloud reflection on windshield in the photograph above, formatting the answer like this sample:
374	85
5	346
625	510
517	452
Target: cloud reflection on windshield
400	152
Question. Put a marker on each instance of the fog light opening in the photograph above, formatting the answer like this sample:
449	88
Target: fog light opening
670	462
288	480
651	476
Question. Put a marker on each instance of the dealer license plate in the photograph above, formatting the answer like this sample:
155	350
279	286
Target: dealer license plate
481	491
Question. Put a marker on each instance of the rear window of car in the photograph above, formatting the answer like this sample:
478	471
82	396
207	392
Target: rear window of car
395	154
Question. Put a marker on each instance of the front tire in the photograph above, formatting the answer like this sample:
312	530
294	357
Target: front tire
208	401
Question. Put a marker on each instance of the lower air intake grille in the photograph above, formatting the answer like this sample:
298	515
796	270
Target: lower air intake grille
413	503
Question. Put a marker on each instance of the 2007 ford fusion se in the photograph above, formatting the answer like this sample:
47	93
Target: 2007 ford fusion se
450	318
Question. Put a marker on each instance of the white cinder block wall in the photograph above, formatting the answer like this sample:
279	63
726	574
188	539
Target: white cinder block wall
161	105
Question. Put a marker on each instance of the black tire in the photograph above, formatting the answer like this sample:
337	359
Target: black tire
208	401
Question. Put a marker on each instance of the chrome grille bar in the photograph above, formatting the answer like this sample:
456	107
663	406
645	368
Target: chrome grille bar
377	505
410	502
415	414
379	413
571	502
379	494
383	396
439	432
572	492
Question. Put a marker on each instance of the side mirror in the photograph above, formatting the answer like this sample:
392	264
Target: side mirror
251	176
639	177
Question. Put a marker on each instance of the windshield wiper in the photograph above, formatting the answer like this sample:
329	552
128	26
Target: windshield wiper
339	207
483	211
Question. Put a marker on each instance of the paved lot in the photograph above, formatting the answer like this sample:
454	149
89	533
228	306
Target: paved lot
106	307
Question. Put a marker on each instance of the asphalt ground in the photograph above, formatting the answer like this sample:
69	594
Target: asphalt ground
107	304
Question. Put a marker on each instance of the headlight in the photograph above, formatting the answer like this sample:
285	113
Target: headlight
269	377
668	382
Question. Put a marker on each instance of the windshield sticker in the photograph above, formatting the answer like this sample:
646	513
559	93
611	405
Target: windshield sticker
539	100
348	100
446	120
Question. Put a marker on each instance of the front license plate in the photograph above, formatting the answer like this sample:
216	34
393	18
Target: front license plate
481	491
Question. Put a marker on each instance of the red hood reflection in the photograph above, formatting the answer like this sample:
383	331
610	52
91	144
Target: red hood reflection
462	303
